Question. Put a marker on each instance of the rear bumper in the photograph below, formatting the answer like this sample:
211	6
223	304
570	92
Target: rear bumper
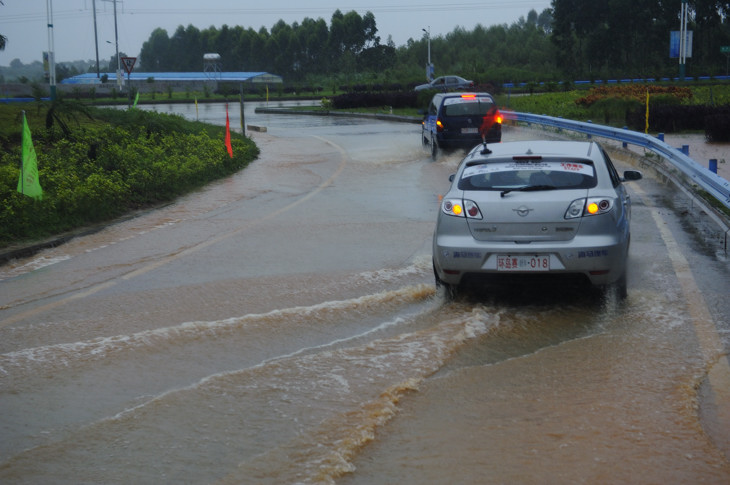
599	259
453	141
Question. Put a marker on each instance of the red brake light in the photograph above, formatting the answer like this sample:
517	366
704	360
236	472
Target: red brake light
470	96
498	117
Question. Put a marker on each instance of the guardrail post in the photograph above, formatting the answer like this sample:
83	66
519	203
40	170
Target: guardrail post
713	165
625	145
660	136
685	149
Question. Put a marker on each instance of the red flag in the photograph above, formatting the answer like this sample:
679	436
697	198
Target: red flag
228	135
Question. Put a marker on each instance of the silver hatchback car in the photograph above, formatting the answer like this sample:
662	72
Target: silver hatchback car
555	209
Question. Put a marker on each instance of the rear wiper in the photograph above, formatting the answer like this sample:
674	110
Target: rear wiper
528	188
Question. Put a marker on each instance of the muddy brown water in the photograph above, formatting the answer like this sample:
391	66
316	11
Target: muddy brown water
281	326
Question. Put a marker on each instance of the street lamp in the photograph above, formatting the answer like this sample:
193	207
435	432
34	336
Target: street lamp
429	66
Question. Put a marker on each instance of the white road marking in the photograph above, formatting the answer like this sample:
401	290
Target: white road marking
716	360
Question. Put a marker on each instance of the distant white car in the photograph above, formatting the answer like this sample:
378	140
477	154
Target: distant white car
447	83
534	209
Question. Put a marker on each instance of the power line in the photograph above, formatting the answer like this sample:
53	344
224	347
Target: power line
197	12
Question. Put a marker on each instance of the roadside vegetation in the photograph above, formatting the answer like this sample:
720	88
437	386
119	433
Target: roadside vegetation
325	56
689	107
98	164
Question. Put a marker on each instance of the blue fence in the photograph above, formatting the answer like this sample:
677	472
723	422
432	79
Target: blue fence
627	81
712	183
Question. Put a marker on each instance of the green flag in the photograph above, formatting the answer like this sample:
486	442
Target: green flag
28	182
136	98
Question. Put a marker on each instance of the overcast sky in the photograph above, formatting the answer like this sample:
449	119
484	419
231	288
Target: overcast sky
25	22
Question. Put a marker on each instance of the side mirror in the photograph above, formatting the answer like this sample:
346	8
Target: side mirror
451	177
632	175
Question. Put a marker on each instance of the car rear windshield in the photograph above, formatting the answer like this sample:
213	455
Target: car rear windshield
537	174
467	106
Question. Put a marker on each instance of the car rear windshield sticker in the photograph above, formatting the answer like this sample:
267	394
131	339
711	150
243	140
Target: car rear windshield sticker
529	165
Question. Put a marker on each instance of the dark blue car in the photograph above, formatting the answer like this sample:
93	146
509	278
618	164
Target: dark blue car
461	120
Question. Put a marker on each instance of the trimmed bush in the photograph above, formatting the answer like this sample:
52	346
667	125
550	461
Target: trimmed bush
374	100
105	170
717	125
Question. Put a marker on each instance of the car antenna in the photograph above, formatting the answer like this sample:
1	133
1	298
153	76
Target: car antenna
485	150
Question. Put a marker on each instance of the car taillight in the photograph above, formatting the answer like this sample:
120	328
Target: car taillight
589	207
490	119
439	125
472	210
461	208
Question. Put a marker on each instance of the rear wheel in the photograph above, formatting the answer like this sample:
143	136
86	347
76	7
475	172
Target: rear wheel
620	285
621	288
617	290
450	290
434	148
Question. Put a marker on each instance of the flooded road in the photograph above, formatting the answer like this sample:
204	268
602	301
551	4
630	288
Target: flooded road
282	326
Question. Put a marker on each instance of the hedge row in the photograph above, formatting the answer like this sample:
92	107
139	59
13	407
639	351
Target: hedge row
713	120
104	171
373	100
717	125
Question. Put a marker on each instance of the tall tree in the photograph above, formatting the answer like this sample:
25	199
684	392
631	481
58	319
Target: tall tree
155	53
631	37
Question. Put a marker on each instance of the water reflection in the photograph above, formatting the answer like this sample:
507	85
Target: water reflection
277	124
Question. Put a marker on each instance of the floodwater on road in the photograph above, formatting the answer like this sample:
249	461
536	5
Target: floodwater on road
282	326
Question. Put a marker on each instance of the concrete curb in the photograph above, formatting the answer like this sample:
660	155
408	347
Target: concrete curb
344	114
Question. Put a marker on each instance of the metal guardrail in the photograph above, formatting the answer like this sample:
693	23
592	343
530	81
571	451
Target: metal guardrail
712	183
627	81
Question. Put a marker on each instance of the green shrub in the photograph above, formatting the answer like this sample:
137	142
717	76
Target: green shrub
616	110
106	169
717	125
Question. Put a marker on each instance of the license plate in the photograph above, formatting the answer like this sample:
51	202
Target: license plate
523	263
469	131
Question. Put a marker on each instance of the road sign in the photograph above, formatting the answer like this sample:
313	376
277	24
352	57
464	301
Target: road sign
725	49
129	63
675	44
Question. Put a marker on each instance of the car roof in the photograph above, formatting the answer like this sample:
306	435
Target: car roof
576	149
451	75
458	94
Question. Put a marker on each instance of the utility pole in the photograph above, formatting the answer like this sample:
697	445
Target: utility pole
96	39
51	53
120	79
683	39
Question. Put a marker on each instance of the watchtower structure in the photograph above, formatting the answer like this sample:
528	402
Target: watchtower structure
212	66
